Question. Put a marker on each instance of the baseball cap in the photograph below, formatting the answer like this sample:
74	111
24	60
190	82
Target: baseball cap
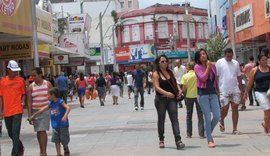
13	65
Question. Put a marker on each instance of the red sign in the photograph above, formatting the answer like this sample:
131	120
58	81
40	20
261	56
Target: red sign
122	54
7	7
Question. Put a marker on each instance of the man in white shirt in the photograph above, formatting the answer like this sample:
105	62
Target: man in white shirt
129	83
230	87
179	70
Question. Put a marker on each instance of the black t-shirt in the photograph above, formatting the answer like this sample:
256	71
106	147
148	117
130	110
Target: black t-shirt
100	82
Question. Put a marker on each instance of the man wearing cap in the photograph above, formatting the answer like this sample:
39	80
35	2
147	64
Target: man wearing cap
12	91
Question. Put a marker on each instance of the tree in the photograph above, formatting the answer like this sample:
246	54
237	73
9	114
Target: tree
215	45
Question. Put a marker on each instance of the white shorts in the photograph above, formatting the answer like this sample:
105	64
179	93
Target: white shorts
263	100
227	97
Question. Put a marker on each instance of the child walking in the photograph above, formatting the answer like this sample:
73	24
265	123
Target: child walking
59	111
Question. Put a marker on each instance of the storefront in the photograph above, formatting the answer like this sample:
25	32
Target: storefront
15	33
252	27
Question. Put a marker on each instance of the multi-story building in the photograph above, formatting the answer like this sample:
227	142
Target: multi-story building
126	5
252	27
158	29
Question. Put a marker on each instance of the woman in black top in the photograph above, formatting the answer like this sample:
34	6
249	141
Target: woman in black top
261	76
101	88
166	95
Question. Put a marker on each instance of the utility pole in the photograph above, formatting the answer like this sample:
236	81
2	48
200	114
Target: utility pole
232	28
34	32
115	65
155	34
101	44
187	19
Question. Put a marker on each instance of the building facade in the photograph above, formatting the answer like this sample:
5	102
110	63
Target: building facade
159	29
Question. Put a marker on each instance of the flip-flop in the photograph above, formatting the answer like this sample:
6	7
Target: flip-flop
221	127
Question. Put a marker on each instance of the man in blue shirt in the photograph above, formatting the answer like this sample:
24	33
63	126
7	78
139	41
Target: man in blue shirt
62	85
139	85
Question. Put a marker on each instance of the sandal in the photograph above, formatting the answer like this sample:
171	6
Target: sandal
236	132
161	144
265	129
211	144
221	127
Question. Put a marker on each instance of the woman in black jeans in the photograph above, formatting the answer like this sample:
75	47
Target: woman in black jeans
166	94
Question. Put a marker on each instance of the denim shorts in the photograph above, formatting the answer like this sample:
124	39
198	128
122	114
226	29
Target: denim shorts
60	135
263	100
81	91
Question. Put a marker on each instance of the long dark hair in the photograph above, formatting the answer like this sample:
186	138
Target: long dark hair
158	67
198	55
157	63
81	76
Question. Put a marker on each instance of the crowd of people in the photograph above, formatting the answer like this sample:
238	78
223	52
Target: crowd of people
213	87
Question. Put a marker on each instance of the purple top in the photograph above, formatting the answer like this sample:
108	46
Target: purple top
202	76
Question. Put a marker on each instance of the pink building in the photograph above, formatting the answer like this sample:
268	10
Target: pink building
163	26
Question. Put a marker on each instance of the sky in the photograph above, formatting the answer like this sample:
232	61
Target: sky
196	3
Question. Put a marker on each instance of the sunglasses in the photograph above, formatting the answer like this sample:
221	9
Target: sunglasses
163	61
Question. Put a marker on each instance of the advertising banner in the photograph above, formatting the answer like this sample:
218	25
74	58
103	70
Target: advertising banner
15	17
142	53
78	23
60	59
122	55
94	53
15	50
135	53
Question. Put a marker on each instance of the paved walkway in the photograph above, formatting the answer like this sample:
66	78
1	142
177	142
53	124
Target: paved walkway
118	130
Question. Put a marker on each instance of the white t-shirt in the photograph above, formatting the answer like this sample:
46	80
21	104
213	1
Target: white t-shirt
227	72
179	72
129	80
150	74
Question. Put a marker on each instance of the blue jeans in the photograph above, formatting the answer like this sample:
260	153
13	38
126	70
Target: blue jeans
209	103
137	91
164	104
13	125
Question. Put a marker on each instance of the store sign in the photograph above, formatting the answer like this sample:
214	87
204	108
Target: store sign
243	18
60	59
15	17
175	54
76	23
44	22
267	8
8	7
15	50
122	54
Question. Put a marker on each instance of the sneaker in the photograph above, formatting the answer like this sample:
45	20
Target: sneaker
141	108
136	108
179	145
